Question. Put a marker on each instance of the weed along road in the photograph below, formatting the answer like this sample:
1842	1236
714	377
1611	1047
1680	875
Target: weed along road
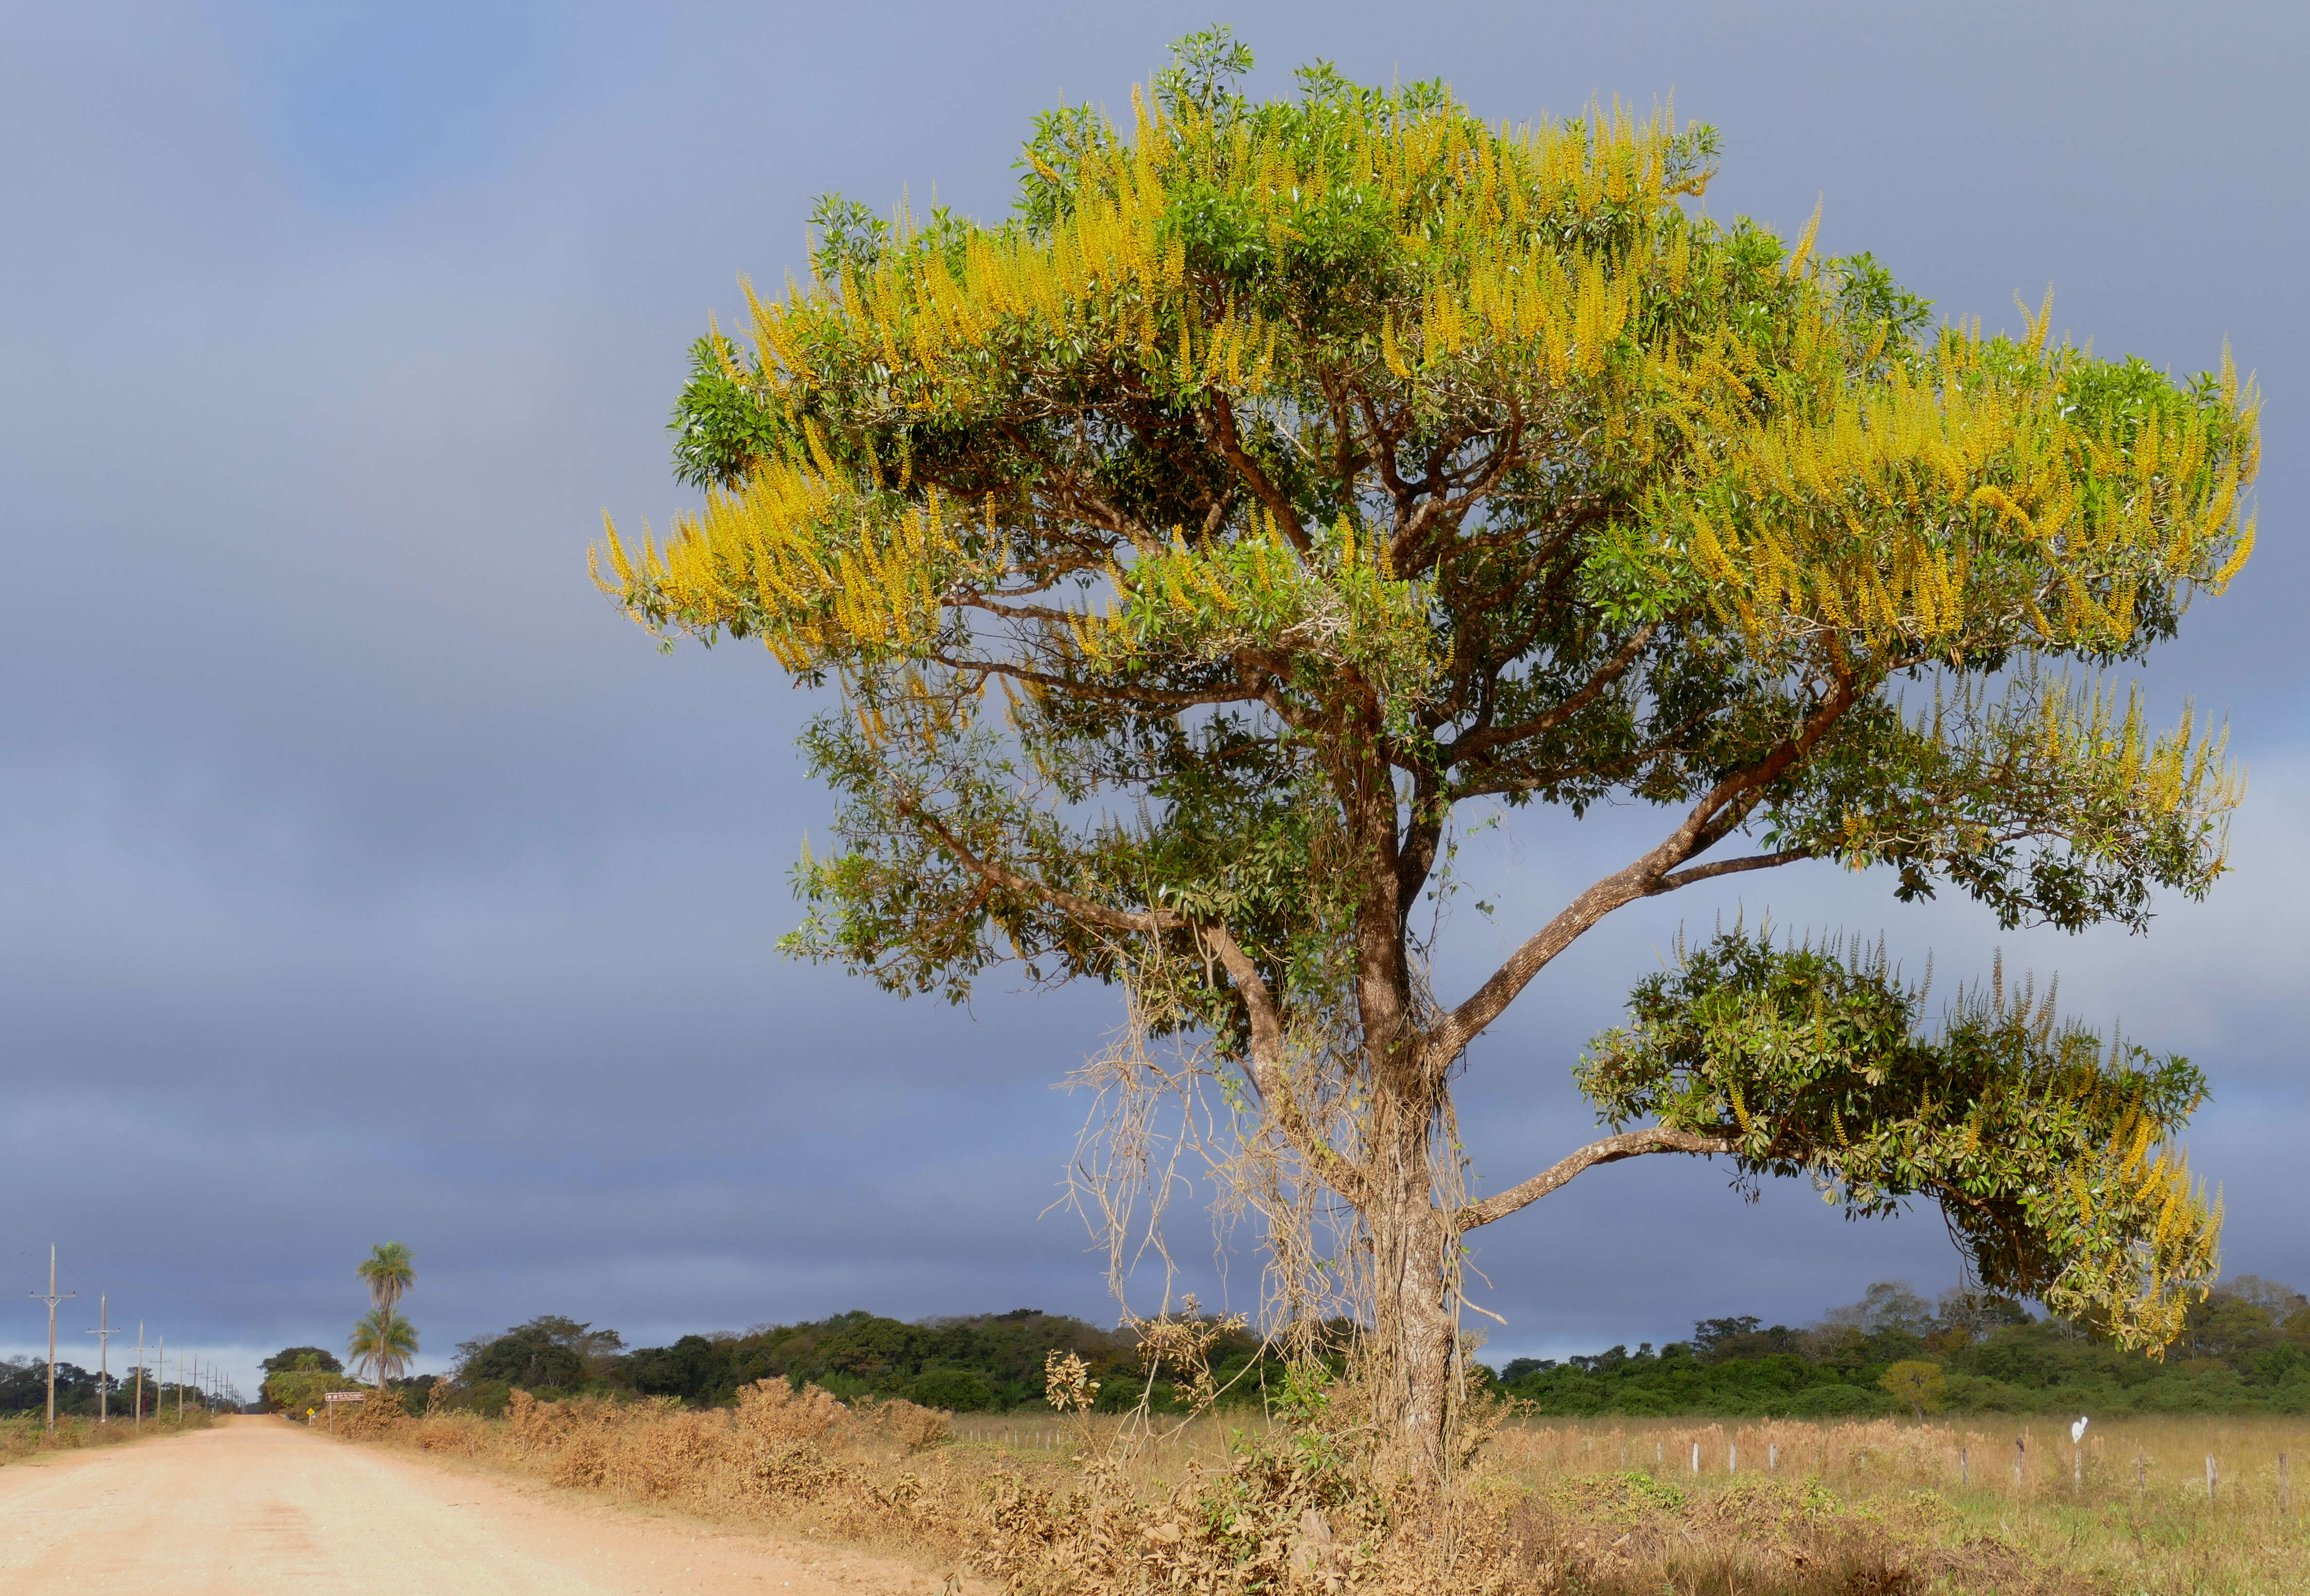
257	1507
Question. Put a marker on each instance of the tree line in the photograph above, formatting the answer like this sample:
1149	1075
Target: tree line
25	1389
2244	1348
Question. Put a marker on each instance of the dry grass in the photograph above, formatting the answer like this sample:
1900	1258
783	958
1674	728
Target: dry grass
1222	1505
25	1436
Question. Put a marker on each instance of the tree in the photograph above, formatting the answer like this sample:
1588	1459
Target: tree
299	1386
302	1357
1308	477
389	1270
382	1343
1917	1384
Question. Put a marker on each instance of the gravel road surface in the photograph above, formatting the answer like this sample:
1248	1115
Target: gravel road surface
259	1507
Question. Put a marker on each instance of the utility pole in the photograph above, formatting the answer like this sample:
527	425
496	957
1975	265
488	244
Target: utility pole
103	1333
160	1377
51	1298
140	1375
180	1388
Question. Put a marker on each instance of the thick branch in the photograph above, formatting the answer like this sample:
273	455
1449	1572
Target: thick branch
1611	1149
1219	427
1724	807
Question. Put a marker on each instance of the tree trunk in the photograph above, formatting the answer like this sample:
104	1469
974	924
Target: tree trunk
1415	1329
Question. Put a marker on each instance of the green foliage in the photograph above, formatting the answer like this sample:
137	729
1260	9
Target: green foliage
1916	1383
548	1357
24	1387
977	1363
2046	1148
2245	1349
302	1357
389	1270
382	1343
300	1388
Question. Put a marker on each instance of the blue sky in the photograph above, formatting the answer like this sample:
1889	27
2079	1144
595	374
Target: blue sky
363	876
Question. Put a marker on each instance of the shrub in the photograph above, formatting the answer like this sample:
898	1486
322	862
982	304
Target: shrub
958	1391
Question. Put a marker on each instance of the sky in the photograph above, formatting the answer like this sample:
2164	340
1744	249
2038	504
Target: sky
363	876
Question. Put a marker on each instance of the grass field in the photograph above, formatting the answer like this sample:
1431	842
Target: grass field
1633	1508
2129	1510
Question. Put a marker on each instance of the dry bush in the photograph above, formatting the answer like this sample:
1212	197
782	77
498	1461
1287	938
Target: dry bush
379	1414
776	1411
911	1426
27	1433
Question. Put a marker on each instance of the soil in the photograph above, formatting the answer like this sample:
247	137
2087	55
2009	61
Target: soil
262	1506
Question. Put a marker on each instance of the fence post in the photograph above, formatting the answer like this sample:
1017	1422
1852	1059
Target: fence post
1773	1458
1963	1467
2020	1447
2213	1477
2285	1491
1731	1460
1696	1457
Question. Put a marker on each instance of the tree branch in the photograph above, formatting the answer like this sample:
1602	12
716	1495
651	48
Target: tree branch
1219	427
1611	1149
1058	897
1605	676
1726	867
1345	1175
1723	807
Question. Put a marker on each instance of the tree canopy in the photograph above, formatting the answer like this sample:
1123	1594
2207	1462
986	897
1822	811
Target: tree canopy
1306	475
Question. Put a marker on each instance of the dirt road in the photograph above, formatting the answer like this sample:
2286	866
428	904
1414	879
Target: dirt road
259	1506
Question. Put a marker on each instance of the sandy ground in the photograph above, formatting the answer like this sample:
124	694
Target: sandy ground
260	1505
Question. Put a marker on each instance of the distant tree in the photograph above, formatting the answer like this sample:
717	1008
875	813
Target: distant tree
527	1359
1962	1316
1709	1334
593	1352
959	1391
1887	1306
2240	1315
695	1368
297	1358
382	1344
300	1386
1308	475
1917	1383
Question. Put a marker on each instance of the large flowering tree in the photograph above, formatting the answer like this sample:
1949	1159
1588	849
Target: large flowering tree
1183	553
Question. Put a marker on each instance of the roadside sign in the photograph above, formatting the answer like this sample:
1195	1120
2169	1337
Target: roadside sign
346	1396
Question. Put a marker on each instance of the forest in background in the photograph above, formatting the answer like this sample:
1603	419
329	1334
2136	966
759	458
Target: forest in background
2244	1349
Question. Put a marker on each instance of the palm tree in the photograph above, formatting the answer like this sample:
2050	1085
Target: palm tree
383	1342
390	1271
